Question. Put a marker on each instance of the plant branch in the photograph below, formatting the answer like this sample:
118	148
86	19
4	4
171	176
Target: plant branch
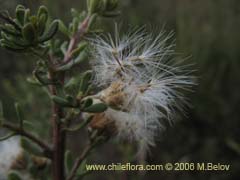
84	154
78	162
75	40
8	136
58	136
33	138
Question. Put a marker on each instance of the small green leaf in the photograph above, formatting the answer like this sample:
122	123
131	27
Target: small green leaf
43	79
82	170
96	108
20	13
10	27
20	115
82	167
72	84
5	16
29	33
1	110
19	42
42	11
79	49
88	102
33	81
30	147
85	81
53	28
42	19
26	16
82	57
63	47
14	39
11	47
42	24
20	6
9	30
63	29
60	101
13	175
75	24
68	161
4	35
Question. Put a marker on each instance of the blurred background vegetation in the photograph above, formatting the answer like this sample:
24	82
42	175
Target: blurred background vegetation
207	32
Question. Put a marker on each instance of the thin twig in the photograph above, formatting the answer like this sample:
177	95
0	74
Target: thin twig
8	136
96	141
75	40
79	161
33	138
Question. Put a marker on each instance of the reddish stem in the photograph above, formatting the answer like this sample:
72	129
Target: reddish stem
58	138
75	39
57	112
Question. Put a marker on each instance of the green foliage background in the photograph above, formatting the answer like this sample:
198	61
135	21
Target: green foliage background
208	32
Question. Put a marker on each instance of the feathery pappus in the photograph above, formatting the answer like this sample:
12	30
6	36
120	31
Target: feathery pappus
142	83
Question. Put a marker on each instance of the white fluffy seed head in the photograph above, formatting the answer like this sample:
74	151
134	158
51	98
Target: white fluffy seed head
9	152
142	78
